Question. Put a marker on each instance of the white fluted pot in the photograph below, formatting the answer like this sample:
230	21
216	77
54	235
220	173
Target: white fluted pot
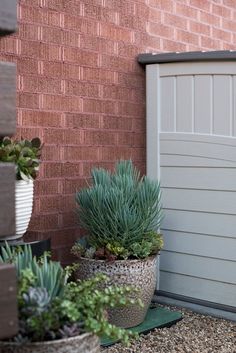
24	204
24	192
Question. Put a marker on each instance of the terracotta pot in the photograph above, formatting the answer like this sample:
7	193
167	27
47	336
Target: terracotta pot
137	273
86	343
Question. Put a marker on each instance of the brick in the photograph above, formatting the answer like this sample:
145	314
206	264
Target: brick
28	100
117	92
28	31
187	37
210	43
52	35
221	11
138	125
55	4
161	30
138	154
116	123
229	25
125	139
230	3
132	139
70	38
133	22
131	109
61	103
155	15
9	45
39	84
53	136
200	28
27	66
131	80
29	133
187	11
81	25
121	6
53	69
115	33
50	203
81	121
128	51
71	169
71	71
99	106
39	16
30	2
46	187
99	138
45	222
170	45
175	21
100	13
98	75
40	118
79	153
201	4
209	19
72	185
88	166
115	153
147	40
73	137
164	5
79	88
97	44
221	35
68	218
116	63
80	57
52	170
51	153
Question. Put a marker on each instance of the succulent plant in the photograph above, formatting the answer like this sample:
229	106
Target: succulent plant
121	212
54	308
36	300
70	331
24	154
47	274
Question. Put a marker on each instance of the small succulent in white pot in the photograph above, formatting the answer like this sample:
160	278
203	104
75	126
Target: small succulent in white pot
25	154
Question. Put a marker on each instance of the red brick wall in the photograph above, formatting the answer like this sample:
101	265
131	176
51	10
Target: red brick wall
81	90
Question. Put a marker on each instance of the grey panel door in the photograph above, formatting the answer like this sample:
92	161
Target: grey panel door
191	147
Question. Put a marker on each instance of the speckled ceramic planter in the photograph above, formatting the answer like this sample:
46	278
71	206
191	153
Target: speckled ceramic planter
86	343
137	273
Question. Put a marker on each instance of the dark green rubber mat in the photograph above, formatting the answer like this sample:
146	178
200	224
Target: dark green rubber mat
156	318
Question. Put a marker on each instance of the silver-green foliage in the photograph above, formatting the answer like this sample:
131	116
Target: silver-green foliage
119	208
48	274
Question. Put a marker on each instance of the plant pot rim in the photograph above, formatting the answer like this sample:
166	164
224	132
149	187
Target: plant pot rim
132	261
25	181
48	343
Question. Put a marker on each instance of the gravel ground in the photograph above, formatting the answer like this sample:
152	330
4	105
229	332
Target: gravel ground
195	333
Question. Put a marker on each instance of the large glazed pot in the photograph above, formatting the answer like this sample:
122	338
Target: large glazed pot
86	343
141	274
24	192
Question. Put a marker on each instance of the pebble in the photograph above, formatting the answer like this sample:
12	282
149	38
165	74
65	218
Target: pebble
195	333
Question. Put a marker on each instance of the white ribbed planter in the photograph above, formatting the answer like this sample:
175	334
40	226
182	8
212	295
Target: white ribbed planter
24	192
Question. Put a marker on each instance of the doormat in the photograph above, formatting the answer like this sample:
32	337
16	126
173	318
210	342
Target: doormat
156	318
